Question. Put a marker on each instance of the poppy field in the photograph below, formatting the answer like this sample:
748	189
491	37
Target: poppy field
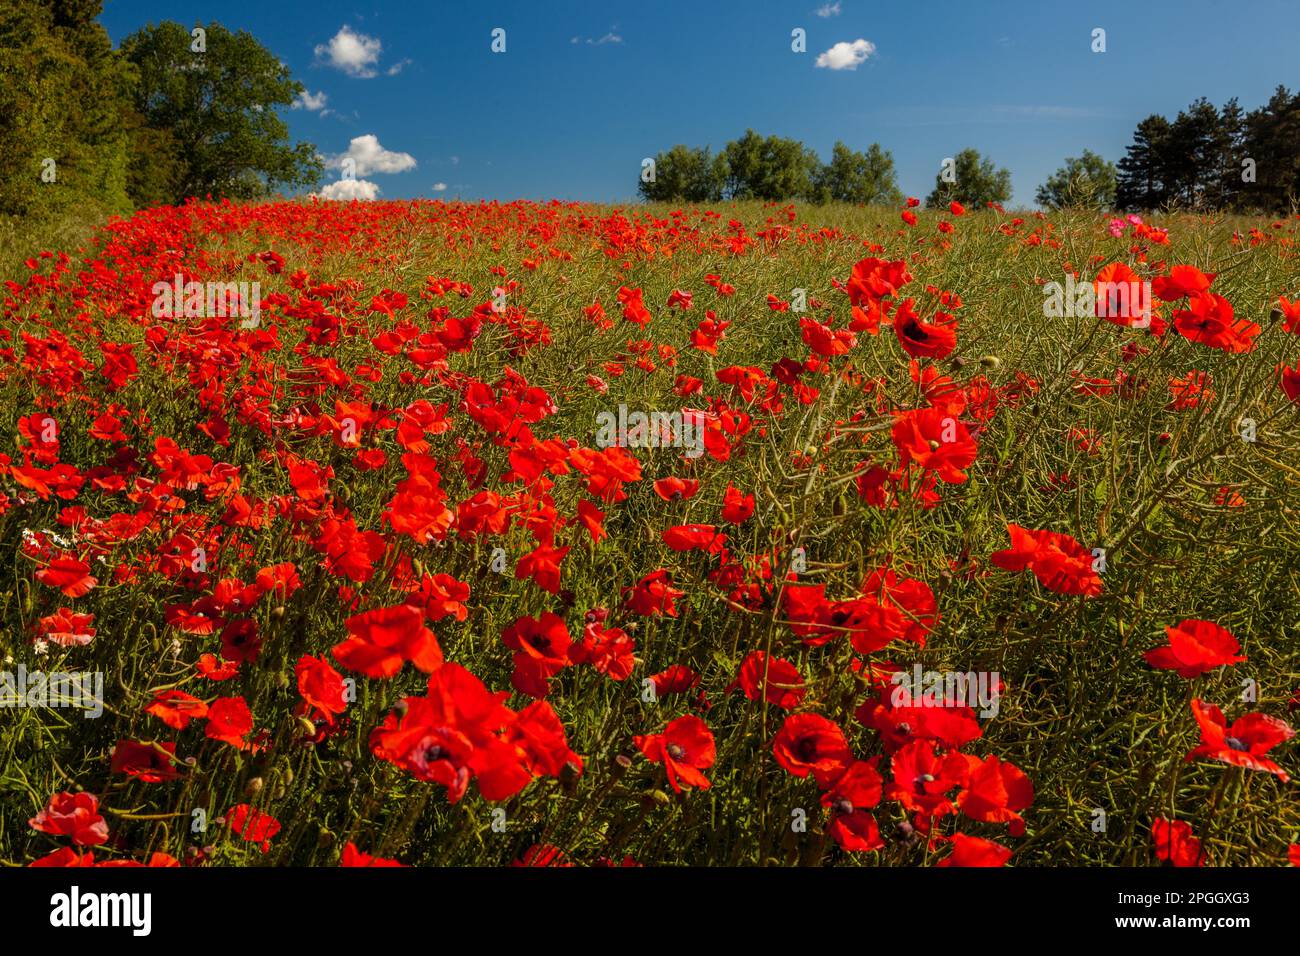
457	534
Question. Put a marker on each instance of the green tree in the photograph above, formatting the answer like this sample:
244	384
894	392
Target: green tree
976	181
1272	140
1141	182
854	177
770	168
686	174
1085	182
219	107
61	89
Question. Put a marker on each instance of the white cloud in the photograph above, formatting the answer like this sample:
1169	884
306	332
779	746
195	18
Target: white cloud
307	100
846	56
369	157
829	10
610	37
354	53
440	187
397	67
348	189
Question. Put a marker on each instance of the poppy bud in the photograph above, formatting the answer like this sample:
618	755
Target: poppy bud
990	361
326	838
254	787
1276	314
1165	438
960	362
277	612
307	726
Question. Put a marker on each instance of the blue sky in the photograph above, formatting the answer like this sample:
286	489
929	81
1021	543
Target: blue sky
584	91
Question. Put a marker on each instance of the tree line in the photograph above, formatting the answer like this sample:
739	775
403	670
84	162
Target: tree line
173	112
1206	158
1211	158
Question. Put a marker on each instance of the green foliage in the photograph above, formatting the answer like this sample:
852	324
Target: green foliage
977	182
219	107
1082	183
773	169
686	173
60	88
853	177
1216	159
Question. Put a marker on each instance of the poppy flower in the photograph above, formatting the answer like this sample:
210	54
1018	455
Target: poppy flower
935	339
69	574
149	763
810	744
1182	281
653	595
737	506
1175	843
321	687
974	851
352	857
610	650
74	815
934	441
1244	743
923	778
541	647
176	709
1059	562
1195	647
382	639
230	721
253	825
768	678
848	799
685	748
676	489
994	791
1208	320
692	537
66	628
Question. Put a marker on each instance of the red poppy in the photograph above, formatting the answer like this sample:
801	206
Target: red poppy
975	851
1195	647
384	638
69	574
230	721
768	678
685	748
934	339
1244	743
74	815
934	441
253	825
352	857
811	744
1181	281
176	709
149	763
1059	562
653	595
848	799
321	687
1175	843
